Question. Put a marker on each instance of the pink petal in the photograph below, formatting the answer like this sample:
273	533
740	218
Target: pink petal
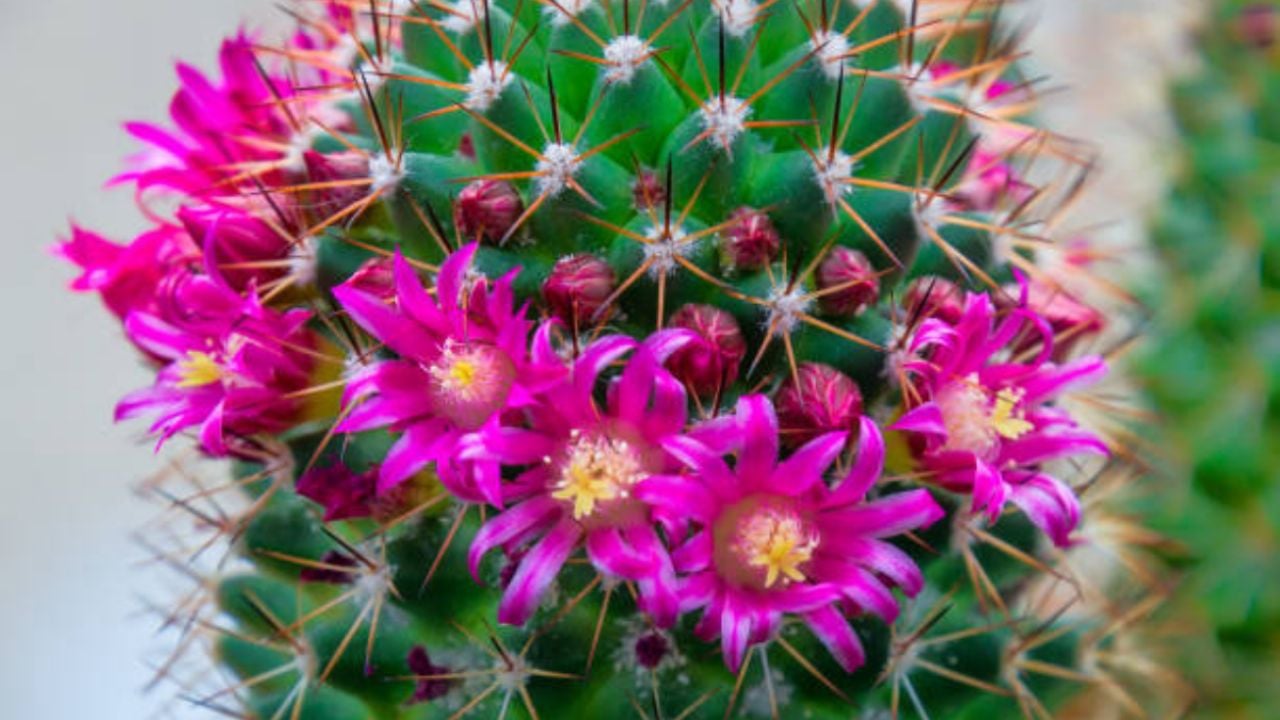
537	570
800	472
866	469
830	627
536	512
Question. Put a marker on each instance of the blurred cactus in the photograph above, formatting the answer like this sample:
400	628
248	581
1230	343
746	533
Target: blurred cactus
557	342
1213	361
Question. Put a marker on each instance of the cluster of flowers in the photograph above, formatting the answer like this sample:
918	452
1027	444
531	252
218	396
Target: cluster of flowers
579	446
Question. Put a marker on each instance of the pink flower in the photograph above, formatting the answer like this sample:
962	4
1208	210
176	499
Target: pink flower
238	245
463	361
231	363
125	276
982	424
989	180
773	538
581	465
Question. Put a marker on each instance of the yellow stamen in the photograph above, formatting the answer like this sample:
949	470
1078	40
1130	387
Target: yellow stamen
596	471
778	543
1005	417
198	369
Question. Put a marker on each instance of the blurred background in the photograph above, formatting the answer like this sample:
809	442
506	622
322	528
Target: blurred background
74	635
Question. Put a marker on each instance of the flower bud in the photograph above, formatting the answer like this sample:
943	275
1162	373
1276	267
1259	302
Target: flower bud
934	297
375	277
848	282
485	210
750	242
651	649
711	361
335	168
1258	25
577	288
647	191
819	399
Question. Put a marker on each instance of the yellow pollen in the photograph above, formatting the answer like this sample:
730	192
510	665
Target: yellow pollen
458	373
778	543
198	369
595	471
1005	417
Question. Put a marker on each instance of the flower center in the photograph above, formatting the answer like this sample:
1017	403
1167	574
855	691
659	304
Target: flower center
198	369
470	383
975	421
596	471
764	541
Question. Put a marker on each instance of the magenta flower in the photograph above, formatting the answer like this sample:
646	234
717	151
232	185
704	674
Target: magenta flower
232	364
989	180
125	276
581	465
238	245
981	420
463	362
773	538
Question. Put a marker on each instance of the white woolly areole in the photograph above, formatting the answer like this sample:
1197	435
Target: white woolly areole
374	71
558	164
830	49
485	84
832	170
665	247
302	261
927	213
625	55
299	144
739	15
920	86
567	9
385	173
786	306
462	16
724	120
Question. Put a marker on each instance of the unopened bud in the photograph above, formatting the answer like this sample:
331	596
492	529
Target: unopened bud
711	361
818	399
577	288
750	242
847	282
934	297
647	191
485	210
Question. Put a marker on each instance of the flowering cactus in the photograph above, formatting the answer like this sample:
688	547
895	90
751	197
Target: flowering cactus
580	359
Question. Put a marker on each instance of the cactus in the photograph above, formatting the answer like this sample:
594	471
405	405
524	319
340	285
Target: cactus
1212	366
656	359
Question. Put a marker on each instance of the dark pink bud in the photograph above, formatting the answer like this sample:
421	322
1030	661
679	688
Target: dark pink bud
331	575
847	281
710	362
1258	25
934	297
750	242
647	191
651	648
375	277
342	492
485	210
429	687
819	399
577	288
467	146
336	168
